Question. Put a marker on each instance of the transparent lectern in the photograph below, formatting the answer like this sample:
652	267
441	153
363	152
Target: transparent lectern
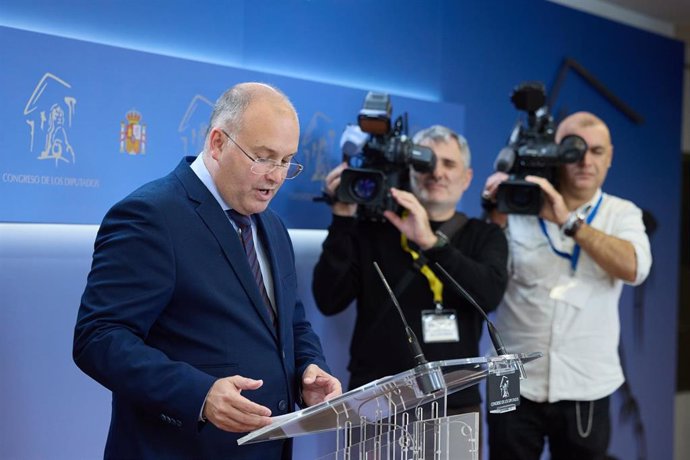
403	416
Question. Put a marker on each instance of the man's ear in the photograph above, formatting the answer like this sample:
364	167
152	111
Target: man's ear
216	141
469	174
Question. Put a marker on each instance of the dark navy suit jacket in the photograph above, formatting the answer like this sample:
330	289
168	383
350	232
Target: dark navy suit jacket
171	305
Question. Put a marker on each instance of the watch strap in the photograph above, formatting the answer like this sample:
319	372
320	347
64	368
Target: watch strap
442	240
573	224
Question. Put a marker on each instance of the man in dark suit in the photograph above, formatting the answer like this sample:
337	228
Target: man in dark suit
197	332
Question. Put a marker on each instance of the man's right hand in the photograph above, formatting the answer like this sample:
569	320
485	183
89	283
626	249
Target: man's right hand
330	185
491	185
228	410
489	193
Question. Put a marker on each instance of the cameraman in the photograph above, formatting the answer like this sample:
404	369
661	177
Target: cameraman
475	255
567	269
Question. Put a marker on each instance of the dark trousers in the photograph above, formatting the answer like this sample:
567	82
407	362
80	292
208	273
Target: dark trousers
575	430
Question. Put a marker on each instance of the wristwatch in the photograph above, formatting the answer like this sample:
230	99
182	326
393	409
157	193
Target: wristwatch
442	240
573	224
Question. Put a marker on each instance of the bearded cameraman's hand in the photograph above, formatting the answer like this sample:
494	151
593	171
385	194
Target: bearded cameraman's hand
331	183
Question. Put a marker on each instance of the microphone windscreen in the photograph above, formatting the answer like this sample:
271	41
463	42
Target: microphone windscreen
352	140
505	159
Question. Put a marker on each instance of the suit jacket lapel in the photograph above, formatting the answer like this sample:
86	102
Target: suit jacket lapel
219	225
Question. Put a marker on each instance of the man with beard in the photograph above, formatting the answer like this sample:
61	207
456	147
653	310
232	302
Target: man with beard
474	254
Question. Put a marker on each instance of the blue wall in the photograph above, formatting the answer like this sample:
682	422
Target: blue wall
464	56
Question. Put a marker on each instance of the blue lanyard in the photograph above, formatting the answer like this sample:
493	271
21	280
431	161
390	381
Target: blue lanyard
575	256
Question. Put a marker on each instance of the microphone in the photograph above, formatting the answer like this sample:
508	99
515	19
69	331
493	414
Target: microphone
427	379
412	341
493	333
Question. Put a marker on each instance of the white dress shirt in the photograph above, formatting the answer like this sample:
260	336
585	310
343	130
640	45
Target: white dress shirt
569	315
202	173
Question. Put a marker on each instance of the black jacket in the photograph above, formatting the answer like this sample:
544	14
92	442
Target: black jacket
476	258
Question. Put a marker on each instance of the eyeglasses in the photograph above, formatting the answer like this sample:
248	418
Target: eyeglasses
263	166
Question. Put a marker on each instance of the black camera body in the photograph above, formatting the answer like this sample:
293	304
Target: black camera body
532	150
384	160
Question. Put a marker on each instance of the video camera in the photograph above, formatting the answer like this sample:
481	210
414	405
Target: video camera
379	155
532	150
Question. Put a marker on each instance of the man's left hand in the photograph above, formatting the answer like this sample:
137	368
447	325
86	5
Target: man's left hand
318	385
554	208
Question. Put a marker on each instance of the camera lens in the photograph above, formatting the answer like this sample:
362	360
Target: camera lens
364	189
525	199
521	197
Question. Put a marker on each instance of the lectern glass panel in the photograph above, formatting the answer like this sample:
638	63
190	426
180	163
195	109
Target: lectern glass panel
390	397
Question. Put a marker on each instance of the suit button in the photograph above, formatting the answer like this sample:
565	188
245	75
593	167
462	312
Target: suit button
282	405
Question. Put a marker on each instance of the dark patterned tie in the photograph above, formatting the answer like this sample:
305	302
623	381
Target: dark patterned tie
244	223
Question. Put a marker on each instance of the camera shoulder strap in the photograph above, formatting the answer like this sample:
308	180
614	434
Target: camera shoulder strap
454	225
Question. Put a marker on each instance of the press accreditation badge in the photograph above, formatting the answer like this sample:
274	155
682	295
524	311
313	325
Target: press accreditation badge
439	326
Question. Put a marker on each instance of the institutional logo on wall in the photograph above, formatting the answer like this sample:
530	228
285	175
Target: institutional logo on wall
317	145
133	134
49	112
194	124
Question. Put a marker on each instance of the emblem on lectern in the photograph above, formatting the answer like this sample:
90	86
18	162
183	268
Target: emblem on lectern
505	383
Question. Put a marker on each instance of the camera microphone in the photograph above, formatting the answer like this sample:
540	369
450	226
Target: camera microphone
493	333
352	141
415	348
505	159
